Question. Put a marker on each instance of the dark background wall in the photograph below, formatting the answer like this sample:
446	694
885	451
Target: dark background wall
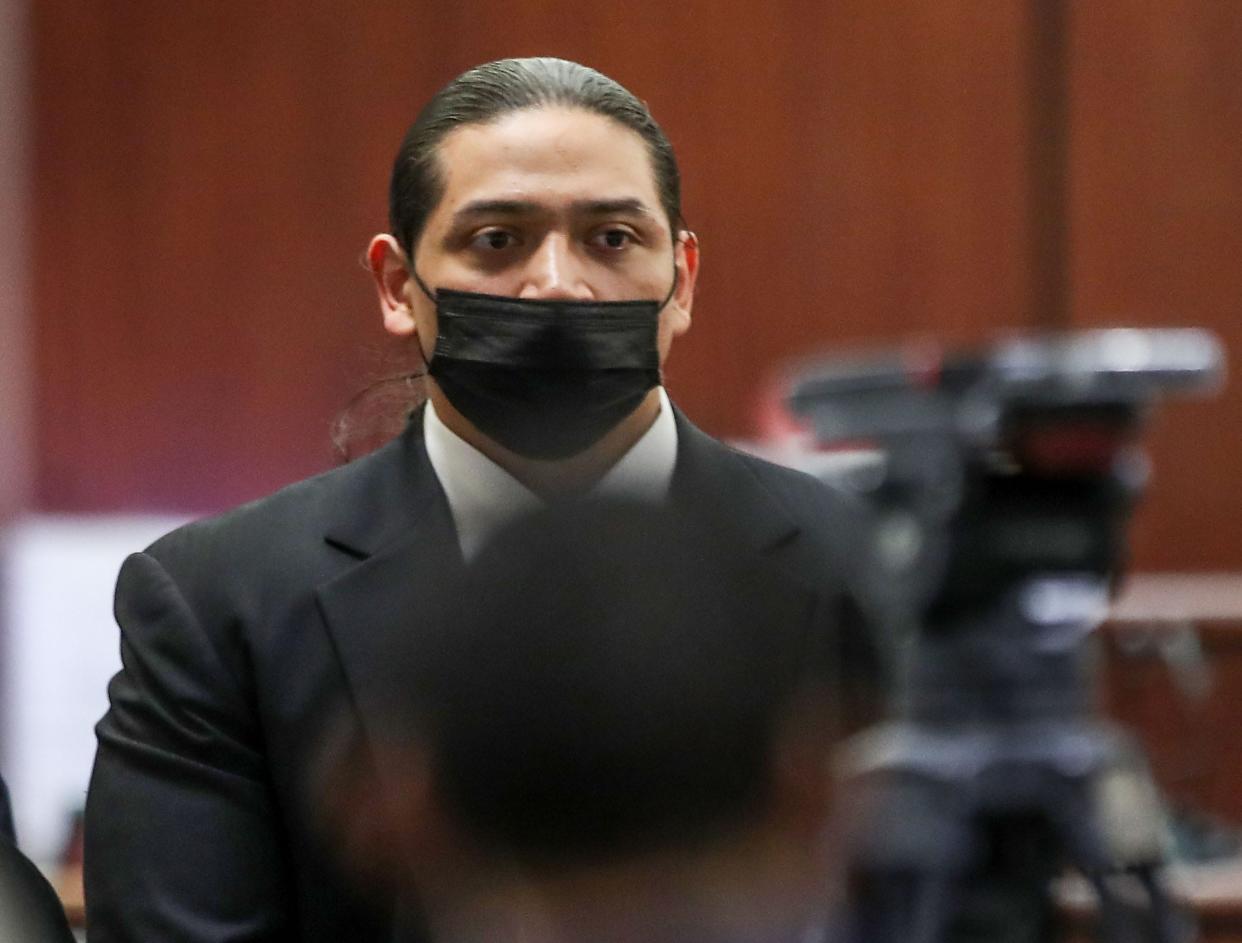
205	176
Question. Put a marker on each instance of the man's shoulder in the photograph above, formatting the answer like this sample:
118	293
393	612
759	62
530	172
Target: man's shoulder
802	495
776	502
831	517
299	514
785	478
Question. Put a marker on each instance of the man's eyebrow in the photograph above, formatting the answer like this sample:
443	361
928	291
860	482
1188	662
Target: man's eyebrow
496	208
623	206
626	206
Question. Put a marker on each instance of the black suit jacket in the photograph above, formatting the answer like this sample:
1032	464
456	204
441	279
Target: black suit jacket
6	814
242	634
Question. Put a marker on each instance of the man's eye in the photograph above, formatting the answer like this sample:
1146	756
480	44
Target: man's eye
495	239
612	239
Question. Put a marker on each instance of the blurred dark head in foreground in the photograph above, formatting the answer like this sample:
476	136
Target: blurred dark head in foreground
617	732
30	911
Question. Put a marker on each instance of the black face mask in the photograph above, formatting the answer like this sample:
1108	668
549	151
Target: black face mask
545	379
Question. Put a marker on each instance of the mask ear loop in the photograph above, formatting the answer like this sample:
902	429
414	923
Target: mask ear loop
421	284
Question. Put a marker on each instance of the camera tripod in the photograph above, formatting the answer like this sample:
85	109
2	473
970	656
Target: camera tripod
967	808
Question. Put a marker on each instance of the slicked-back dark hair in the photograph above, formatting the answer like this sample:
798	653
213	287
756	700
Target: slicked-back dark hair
495	89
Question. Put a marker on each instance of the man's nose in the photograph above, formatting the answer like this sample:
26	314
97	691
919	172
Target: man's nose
554	271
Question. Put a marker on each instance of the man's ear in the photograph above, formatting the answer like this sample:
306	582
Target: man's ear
390	268
686	258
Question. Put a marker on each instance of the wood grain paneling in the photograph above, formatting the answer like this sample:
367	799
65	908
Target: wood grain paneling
16	452
207	177
1156	232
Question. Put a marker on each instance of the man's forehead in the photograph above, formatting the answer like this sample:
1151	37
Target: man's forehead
545	158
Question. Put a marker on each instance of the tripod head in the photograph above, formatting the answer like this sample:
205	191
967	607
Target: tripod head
1000	463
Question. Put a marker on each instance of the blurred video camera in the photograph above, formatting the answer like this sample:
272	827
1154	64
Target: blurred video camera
1000	484
993	465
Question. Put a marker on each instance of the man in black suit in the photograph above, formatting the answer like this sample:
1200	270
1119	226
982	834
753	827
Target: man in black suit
538	264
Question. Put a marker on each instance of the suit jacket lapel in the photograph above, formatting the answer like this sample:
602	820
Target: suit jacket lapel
721	488
713	483
408	559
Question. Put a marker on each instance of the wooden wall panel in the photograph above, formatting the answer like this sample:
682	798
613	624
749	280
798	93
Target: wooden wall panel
1156	234
207	174
16	452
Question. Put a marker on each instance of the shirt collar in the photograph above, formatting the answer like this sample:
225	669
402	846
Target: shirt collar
483	497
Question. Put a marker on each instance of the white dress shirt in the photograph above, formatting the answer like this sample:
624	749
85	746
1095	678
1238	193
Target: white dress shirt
483	497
